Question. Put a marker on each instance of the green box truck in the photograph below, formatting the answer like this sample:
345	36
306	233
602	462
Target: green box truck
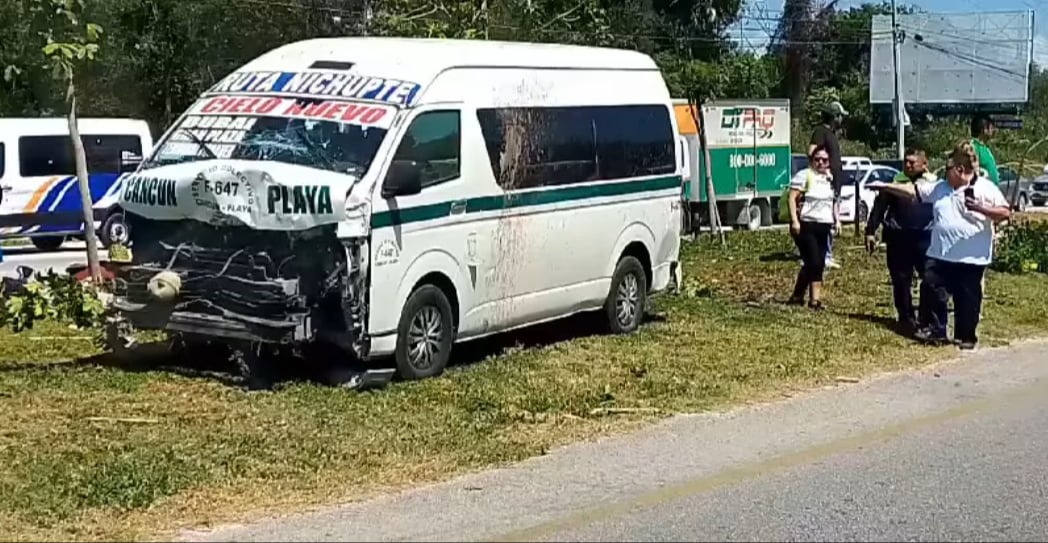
749	151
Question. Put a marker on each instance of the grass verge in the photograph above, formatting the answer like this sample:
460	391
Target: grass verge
89	450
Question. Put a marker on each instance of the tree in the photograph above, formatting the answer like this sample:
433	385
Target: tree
69	44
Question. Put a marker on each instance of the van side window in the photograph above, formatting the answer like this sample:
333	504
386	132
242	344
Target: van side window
53	155
433	141
532	147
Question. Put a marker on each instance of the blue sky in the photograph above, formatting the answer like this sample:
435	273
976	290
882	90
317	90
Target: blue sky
753	30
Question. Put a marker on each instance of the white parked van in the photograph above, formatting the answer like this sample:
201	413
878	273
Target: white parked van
394	196
41	199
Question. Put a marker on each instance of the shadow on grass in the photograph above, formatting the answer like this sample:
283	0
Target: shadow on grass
780	256
320	363
890	323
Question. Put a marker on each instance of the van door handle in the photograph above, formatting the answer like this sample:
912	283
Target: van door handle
6	187
458	208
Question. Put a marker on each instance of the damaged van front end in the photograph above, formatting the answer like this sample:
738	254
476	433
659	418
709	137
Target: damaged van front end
252	232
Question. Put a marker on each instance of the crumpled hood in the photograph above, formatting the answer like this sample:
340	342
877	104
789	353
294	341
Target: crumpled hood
258	194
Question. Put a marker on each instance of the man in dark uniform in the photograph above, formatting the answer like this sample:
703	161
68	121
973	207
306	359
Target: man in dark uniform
907	234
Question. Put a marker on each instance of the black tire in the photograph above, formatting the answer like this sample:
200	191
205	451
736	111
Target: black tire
753	217
864	213
1022	203
628	297
425	334
114	229
48	243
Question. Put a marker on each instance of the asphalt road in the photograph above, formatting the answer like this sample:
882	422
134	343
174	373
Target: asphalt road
72	252
955	452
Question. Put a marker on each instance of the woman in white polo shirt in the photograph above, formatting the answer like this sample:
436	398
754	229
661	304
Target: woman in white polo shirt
813	215
965	208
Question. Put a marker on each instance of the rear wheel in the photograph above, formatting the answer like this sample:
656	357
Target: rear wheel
48	243
425	334
864	212
628	298
753	217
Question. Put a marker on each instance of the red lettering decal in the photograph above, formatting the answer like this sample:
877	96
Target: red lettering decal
213	105
269	105
294	109
249	106
238	106
352	112
373	115
334	109
315	110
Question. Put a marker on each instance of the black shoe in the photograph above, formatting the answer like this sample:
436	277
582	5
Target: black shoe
925	335
795	301
816	305
966	345
906	327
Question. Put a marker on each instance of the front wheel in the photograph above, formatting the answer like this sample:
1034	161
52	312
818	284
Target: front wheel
425	334
628	297
864	212
114	230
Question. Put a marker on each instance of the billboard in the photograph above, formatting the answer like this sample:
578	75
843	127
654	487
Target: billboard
954	58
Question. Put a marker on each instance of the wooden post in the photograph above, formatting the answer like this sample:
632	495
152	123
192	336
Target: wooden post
711	196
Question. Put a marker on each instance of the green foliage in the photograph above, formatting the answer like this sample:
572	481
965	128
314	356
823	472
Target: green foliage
68	41
1023	247
52	297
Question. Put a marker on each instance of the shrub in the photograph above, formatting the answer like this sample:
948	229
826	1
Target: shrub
51	296
1023	247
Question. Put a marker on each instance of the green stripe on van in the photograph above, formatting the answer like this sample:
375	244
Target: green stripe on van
524	199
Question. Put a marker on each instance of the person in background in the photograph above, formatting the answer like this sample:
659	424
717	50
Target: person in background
907	235
964	209
825	135
814	208
982	131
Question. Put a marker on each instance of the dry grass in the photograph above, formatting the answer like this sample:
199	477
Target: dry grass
198	450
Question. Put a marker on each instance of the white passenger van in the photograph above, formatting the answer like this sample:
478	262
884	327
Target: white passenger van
395	196
41	199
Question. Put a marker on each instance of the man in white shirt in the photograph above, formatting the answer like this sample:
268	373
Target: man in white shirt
965	208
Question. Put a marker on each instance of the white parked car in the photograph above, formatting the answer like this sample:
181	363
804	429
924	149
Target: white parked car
865	174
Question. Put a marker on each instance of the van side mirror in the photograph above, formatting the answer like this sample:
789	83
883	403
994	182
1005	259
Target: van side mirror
404	178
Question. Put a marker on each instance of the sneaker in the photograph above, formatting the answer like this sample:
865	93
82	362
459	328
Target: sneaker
832	264
795	301
816	305
925	335
966	345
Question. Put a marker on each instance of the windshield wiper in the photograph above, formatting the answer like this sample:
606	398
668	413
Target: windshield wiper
200	143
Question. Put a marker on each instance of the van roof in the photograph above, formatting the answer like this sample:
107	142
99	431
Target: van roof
35	126
428	57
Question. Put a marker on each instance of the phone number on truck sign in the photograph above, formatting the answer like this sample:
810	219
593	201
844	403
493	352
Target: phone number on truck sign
745	160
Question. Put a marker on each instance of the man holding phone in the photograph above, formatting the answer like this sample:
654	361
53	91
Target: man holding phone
964	210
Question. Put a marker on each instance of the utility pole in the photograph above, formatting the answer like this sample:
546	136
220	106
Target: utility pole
900	109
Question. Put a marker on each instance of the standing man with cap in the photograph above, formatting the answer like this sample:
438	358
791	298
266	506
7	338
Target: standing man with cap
825	135
907	235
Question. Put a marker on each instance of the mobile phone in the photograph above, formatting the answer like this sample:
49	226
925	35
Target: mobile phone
969	193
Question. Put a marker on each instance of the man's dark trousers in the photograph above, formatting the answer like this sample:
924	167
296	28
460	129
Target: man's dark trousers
906	255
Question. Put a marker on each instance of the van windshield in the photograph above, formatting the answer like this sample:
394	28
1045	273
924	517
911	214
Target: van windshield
334	145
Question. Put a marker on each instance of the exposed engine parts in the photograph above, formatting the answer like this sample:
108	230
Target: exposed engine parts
245	284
